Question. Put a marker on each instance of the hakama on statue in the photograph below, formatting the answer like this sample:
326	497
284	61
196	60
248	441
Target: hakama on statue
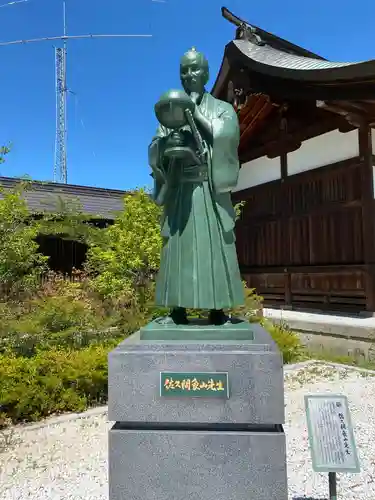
199	266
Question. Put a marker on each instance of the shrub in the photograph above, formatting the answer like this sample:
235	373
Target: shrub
252	310
238	208
287	341
123	262
59	313
53	381
21	264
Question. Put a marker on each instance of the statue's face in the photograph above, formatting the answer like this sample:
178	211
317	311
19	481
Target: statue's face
194	73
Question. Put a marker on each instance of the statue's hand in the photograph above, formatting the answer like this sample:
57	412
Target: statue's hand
175	139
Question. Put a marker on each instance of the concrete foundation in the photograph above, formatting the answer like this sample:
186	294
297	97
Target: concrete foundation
198	465
165	448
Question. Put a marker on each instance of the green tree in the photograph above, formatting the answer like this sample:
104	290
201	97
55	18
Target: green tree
129	251
4	150
20	261
66	219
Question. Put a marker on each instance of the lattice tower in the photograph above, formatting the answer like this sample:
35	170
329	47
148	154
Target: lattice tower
60	166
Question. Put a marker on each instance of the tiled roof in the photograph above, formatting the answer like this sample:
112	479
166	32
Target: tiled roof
273	57
266	56
268	38
44	197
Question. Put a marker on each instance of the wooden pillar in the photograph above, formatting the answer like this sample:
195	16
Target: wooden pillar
284	166
288	299
365	154
285	231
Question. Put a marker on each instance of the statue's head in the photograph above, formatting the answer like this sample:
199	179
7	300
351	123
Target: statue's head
194	71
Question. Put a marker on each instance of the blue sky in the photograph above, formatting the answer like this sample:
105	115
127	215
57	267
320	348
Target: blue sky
116	82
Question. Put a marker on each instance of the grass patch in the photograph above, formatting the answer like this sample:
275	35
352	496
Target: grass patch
342	360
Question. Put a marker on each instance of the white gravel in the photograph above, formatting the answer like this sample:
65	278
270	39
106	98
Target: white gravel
68	460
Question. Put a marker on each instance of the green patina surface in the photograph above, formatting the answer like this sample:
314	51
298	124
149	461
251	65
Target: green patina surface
199	331
195	165
196	385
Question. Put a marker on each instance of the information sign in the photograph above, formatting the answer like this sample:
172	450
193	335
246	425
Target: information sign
331	436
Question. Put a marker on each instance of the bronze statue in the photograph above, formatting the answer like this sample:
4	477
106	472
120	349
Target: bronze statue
195	166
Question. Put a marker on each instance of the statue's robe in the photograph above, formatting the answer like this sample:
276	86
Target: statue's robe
199	266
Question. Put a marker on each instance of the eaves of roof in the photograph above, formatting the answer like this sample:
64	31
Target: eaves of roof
44	196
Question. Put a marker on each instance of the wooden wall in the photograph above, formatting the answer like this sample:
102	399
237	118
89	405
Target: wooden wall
303	240
64	255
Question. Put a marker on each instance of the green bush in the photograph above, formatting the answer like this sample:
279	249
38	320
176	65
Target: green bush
63	380
287	341
252	310
52	382
124	260
21	264
59	314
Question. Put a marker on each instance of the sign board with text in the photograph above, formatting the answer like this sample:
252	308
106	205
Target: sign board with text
194	385
331	435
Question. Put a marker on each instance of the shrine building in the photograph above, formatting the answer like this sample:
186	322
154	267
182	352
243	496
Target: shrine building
305	238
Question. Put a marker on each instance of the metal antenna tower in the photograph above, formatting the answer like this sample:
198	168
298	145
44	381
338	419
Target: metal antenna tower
60	170
60	173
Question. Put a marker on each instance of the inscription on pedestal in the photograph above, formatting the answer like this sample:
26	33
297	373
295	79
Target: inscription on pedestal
196	385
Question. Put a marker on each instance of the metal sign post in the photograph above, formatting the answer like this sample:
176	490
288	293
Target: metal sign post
332	483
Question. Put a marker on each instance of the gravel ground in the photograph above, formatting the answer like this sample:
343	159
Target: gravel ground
68	460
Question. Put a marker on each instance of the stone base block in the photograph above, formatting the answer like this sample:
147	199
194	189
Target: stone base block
243	350
196	464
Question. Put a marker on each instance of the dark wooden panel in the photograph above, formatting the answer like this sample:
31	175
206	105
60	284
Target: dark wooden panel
334	237
330	282
334	288
312	219
64	255
260	243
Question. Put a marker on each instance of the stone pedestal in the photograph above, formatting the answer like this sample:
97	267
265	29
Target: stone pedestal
192	444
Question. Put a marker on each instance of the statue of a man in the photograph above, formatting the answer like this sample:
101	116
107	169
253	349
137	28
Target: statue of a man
199	267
